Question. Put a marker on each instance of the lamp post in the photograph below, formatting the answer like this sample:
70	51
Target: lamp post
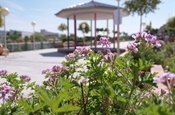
83	27
5	12
118	28
33	24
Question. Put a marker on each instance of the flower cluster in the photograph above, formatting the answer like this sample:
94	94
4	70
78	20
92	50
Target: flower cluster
6	92
79	51
82	50
54	73
167	79
3	72
25	78
132	47
104	41
141	37
109	57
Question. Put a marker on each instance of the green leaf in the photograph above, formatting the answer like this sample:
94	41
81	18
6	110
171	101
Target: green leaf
43	95
26	106
67	108
56	102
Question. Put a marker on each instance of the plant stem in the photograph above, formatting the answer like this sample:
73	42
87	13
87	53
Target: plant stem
84	104
130	94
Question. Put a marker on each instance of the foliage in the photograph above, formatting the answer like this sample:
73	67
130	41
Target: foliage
89	83
62	27
1	17
86	29
26	38
168	56
169	27
13	35
38	37
141	7
171	22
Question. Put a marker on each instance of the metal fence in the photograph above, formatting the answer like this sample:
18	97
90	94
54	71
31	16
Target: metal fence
13	47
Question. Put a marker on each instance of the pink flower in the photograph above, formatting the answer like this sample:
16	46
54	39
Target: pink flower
166	78
104	41
157	44
109	57
3	72
71	56
82	50
132	47
25	78
6	91
45	71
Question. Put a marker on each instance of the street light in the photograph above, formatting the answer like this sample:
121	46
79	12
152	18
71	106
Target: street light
5	12
83	27
33	24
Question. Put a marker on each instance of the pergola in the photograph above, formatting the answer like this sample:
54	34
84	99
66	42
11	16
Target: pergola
90	11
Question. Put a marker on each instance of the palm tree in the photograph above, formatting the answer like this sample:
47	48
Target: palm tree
141	7
62	27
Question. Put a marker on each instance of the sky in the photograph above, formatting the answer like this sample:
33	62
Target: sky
23	12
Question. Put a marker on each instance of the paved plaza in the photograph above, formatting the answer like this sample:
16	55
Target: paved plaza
32	62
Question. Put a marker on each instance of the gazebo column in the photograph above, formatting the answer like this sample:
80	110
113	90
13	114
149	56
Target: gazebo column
75	32
95	26
91	33
113	32
68	33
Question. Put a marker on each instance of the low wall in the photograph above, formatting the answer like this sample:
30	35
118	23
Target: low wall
13	47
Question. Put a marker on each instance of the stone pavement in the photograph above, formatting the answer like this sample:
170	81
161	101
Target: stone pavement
31	63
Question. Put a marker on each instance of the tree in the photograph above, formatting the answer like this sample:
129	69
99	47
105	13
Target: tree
62	27
170	26
84	29
141	7
38	37
171	22
13	35
1	17
149	27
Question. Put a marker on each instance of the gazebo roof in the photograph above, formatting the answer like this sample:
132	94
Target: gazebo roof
85	11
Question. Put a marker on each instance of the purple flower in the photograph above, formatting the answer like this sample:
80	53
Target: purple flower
57	70
143	34
25	78
104	41
109	57
136	36
6	91
71	56
82	50
3	72
132	47
158	44
45	71
166	78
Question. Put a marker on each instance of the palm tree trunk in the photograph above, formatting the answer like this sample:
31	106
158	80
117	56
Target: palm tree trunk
140	22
